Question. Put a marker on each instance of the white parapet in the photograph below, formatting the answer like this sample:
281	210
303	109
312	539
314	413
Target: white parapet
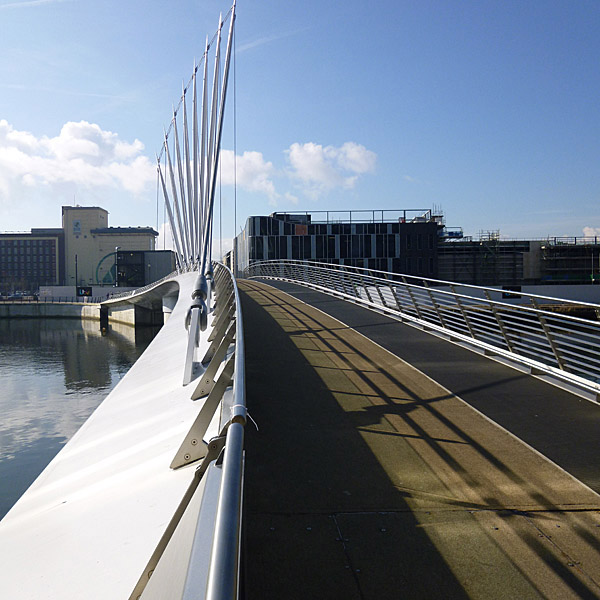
90	523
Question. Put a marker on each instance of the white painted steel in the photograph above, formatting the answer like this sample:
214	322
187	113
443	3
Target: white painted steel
529	332
102	514
189	197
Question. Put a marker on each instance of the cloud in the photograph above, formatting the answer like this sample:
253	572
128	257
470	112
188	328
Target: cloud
591	231
321	168
82	154
252	172
313	169
164	241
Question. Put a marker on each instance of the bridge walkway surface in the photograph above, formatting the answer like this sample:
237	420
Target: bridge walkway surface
369	477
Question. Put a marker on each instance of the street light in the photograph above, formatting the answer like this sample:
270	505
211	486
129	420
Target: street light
117	248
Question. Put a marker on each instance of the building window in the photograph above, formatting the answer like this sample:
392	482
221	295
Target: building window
306	241
320	244
331	246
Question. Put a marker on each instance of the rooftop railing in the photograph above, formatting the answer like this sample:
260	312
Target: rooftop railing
539	333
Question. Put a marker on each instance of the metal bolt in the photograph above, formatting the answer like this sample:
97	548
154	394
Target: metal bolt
187	456
194	442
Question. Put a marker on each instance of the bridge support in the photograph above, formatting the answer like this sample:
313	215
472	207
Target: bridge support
168	304
135	315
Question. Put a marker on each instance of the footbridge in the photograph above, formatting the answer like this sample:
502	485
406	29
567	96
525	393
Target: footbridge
417	439
358	435
317	431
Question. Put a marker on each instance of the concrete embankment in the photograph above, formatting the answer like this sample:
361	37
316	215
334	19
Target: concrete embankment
43	310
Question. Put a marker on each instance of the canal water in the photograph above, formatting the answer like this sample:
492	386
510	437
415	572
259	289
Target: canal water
53	374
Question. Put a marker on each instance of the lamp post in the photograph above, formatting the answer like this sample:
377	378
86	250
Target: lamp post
117	248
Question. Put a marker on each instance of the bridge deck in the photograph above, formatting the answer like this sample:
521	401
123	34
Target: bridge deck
367	479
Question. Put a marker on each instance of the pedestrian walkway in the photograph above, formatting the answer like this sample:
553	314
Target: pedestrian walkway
367	479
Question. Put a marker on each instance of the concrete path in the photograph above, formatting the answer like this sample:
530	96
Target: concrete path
367	479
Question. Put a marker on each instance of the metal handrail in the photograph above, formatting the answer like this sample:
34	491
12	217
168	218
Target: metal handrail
522	328
215	373
223	573
53	300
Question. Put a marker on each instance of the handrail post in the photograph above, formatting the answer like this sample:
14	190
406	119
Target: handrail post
464	313
501	326
412	298
549	336
362	282
435	305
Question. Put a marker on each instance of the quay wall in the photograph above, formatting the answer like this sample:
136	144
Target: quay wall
125	314
43	310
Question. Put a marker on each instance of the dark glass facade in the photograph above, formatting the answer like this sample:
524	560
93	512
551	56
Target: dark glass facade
400	247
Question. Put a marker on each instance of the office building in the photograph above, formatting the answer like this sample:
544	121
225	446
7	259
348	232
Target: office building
400	241
85	251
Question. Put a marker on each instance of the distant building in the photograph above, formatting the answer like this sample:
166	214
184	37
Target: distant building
400	241
84	252
91	245
490	261
28	260
136	268
415	242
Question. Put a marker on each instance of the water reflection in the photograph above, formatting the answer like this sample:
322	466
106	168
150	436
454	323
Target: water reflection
54	373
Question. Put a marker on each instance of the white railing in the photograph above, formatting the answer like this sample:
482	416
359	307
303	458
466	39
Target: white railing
535	331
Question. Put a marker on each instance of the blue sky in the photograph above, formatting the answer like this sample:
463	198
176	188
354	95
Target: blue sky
486	109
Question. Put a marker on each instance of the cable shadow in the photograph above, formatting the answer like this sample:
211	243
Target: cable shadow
301	324
308	461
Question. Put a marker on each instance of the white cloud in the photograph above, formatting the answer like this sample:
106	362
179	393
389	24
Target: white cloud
591	231
164	241
322	168
83	155
251	172
356	158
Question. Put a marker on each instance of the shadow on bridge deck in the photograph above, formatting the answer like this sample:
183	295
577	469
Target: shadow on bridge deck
367	479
